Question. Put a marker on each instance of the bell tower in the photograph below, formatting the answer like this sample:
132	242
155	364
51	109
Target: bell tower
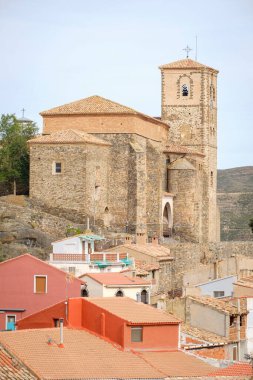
189	106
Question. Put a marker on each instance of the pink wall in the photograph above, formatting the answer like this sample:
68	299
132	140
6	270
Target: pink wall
17	286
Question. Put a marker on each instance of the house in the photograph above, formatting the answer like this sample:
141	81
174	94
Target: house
116	284
225	318
220	287
28	284
244	287
204	343
76	255
105	338
122	320
151	257
84	355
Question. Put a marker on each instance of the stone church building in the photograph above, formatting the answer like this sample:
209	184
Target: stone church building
128	171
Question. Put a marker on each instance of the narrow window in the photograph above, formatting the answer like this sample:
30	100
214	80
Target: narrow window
232	320
56	322
72	270
119	293
136	334
218	294
58	167
40	284
211	179
185	90
234	353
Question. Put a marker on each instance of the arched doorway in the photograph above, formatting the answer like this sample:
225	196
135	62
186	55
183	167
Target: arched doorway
144	296
119	293
167	220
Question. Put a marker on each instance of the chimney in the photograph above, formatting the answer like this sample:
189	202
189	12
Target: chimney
61	345
155	240
141	238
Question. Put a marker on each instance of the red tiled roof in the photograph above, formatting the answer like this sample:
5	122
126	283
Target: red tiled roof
96	105
84	356
117	279
68	136
186	64
134	312
237	369
218	304
177	363
13	369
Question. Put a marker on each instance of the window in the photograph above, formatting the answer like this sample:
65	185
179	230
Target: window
72	270
85	293
185	90
218	293
136	334
58	167
56	322
211	179
119	293
40	284
232	320
234	353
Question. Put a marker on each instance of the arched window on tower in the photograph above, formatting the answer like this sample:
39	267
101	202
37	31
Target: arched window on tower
185	90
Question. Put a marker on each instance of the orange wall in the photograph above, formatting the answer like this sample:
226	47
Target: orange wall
44	318
82	313
107	124
159	336
93	320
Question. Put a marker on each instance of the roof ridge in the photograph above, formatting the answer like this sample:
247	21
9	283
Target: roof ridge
41	261
186	63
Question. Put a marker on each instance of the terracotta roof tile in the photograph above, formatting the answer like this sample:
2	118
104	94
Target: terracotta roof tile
186	64
203	335
13	369
68	136
134	312
222	305
157	251
91	105
116	279
177	363
237	369
84	356
139	264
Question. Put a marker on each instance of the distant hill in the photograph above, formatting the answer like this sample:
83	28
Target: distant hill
235	180
235	200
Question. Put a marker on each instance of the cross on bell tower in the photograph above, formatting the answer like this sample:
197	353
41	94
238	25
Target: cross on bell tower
187	49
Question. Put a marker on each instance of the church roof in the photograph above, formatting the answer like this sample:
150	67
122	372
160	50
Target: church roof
94	105
91	105
186	64
68	136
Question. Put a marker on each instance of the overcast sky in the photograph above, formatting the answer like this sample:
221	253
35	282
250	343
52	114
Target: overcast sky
56	51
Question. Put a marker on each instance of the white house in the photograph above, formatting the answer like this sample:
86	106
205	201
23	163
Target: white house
220	287
76	255
116	284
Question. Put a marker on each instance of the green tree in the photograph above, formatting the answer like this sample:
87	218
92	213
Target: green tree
14	153
251	224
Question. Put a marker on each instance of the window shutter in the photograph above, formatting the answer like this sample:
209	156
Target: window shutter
40	284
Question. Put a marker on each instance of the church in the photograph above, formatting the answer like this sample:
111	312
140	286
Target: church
130	172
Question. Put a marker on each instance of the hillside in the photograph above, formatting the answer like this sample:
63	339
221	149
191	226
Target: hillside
27	228
235	200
